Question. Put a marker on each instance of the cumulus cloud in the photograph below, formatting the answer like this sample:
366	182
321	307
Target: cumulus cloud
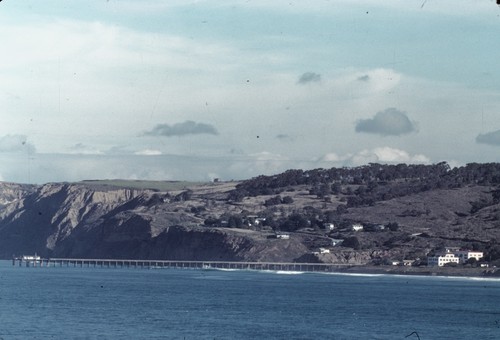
490	138
182	129
259	163
309	77
377	155
386	155
16	143
390	122
332	157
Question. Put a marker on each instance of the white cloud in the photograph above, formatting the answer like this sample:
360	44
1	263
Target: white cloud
377	155
386	155
332	157
260	163
148	152
97	44
64	81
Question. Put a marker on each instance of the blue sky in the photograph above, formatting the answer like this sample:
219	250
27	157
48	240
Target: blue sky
194	90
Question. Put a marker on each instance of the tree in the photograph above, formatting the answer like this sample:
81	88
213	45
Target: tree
472	261
294	222
393	226
211	221
341	209
336	188
273	201
184	196
235	221
352	242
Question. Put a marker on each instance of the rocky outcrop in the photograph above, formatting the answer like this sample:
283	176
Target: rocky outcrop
41	218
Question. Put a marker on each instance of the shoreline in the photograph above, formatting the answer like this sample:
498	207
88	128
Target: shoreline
423	271
472	272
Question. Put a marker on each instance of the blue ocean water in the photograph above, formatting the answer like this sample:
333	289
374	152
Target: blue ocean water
114	303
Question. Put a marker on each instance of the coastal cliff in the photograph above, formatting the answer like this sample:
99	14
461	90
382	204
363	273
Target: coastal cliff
368	215
88	221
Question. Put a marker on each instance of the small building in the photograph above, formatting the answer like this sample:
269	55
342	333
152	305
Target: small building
283	236
324	251
31	257
405	263
329	226
255	220
357	227
336	242
260	220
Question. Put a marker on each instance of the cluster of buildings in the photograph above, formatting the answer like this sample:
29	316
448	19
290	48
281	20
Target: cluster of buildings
453	255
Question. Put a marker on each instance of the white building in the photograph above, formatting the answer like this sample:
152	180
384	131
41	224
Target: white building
442	259
283	236
453	255
336	242
329	226
357	227
465	255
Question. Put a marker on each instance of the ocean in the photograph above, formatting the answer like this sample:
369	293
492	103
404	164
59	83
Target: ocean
126	303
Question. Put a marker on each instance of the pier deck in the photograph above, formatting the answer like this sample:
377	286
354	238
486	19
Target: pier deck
122	263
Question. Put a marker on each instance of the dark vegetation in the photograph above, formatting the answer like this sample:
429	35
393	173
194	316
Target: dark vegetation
364	187
375	182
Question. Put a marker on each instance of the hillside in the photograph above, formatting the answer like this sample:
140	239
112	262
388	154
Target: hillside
406	212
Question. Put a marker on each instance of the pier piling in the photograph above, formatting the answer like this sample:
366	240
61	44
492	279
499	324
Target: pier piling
30	261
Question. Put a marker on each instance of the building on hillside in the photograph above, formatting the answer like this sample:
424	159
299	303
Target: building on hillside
441	259
405	263
357	227
283	236
453	255
255	220
465	255
336	242
329	226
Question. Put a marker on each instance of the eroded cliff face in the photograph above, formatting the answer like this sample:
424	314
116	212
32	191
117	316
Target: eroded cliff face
40	219
76	220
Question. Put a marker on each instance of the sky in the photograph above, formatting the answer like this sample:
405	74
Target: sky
197	90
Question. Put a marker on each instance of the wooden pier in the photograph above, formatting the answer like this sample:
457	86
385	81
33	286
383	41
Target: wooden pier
149	264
